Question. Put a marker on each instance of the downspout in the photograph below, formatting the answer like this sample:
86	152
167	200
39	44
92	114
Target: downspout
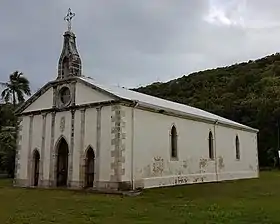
215	149
132	144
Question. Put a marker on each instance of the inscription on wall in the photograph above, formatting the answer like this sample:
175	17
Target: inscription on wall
62	124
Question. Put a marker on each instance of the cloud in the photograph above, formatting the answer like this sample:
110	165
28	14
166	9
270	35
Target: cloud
134	43
229	13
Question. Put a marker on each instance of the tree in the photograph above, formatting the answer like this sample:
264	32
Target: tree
15	88
14	91
8	127
8	150
7	115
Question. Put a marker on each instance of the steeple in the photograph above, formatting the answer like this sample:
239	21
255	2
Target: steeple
69	62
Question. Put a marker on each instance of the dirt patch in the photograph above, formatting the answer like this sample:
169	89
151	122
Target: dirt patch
158	166
221	164
203	163
185	164
147	171
251	167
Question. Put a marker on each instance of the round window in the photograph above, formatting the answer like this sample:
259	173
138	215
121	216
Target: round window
65	95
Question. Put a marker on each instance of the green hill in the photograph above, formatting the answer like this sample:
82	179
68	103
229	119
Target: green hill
248	93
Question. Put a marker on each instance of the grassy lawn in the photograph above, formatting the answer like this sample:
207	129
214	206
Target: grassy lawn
244	201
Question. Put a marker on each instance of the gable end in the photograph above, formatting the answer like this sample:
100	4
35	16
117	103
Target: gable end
32	99
99	89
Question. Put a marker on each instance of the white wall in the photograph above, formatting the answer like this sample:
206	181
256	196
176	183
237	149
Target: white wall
148	137
37	133
90	139
66	133
231	168
36	140
23	161
102	172
85	94
105	144
45	101
152	163
77	146
46	163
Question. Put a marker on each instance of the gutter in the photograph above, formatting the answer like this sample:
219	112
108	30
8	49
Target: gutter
135	104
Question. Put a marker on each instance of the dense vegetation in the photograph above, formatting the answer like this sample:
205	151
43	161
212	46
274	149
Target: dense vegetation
12	95
247	92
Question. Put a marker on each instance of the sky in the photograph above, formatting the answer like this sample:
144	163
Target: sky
135	43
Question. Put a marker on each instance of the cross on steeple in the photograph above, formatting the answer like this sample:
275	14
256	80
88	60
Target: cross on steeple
69	17
69	63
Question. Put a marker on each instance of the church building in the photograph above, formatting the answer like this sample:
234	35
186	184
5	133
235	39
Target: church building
77	133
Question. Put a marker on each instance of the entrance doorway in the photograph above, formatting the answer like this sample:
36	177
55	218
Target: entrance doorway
62	163
36	162
89	169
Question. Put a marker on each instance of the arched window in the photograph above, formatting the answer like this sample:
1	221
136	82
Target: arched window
174	153
237	148
210	145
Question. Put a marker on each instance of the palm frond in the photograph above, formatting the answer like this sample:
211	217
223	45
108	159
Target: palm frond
7	96
20	96
4	84
23	84
4	93
13	77
22	79
18	86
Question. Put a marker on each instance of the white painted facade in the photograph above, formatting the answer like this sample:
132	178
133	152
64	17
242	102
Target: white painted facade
77	133
153	165
144	151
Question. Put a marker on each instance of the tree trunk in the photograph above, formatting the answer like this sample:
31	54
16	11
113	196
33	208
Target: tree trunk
14	99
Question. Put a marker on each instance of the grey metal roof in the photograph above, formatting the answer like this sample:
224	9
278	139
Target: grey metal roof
155	102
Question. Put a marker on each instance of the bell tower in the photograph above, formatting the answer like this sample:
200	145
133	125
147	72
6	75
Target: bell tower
69	64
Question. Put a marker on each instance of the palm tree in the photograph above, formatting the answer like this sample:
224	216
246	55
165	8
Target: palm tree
16	88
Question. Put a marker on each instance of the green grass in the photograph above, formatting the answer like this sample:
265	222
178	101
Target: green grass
244	201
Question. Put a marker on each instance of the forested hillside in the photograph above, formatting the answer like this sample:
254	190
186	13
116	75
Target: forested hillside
247	92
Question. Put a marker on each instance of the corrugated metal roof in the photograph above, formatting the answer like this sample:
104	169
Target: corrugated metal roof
155	102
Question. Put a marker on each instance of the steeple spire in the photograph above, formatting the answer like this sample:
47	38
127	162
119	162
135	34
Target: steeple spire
69	62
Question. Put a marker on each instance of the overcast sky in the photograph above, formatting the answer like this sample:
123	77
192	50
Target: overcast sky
133	43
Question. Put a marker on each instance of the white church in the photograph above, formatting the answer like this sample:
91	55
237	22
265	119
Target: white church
77	133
